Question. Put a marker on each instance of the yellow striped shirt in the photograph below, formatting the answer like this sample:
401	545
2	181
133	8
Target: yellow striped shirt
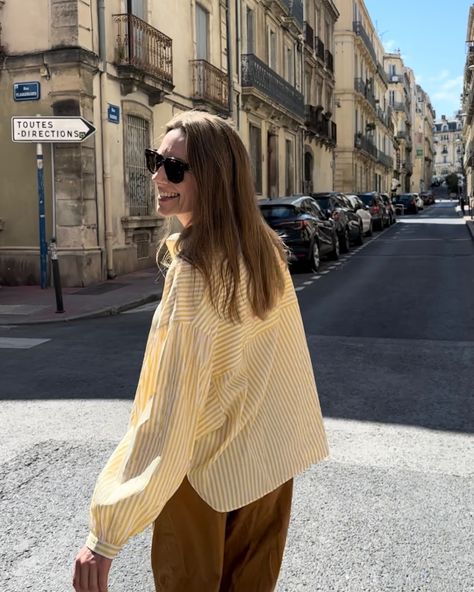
232	406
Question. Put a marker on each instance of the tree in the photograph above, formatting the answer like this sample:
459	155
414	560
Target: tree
452	182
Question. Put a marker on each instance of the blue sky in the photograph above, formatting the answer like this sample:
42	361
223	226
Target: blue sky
431	36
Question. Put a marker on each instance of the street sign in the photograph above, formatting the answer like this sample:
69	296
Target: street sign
51	129
26	91
113	113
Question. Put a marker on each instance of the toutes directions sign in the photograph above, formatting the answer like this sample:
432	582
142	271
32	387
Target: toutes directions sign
51	129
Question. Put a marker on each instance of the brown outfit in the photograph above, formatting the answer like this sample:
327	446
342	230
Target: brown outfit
196	549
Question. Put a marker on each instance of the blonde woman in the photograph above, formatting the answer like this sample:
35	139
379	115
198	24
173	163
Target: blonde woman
226	411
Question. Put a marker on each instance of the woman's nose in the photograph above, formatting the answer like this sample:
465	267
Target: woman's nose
160	176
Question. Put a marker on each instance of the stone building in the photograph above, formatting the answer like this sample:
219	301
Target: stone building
468	107
424	140
449	145
321	128
364	154
126	67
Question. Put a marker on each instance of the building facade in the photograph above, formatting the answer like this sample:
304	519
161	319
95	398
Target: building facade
468	107
319	86
364	154
449	145
126	67
424	140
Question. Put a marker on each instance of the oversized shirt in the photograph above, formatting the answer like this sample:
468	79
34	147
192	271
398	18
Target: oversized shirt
232	406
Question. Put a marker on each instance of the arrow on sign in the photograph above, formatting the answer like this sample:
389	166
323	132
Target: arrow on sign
50	129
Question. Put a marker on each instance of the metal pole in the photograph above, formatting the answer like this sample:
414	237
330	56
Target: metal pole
53	193
42	217
56	276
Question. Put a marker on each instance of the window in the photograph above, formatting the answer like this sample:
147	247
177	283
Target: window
137	178
138	8
392	71
391	97
289	66
256	156
202	33
250	28
271	49
289	168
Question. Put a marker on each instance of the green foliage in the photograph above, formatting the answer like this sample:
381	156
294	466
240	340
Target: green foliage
452	182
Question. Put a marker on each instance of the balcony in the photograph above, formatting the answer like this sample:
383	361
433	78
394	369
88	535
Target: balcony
398	106
260	77
143	56
312	117
319	47
403	135
407	167
384	159
364	143
359	30
365	89
210	86
329	61
292	8
308	35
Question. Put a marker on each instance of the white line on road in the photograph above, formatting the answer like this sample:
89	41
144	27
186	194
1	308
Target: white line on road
309	283
299	289
144	308
20	342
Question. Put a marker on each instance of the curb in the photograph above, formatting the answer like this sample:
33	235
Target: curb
93	314
470	227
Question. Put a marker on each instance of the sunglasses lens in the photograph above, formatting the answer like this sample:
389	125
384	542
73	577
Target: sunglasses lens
174	170
153	161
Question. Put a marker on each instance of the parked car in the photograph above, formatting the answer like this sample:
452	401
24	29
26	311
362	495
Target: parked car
304	228
409	203
427	197
376	206
365	216
390	207
419	201
347	223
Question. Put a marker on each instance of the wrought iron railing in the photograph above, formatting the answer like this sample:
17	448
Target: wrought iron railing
258	75
385	159
398	106
329	61
365	89
359	30
210	84
295	8
319	47
364	143
308	35
140	45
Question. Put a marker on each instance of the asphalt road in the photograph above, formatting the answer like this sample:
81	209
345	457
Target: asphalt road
391	333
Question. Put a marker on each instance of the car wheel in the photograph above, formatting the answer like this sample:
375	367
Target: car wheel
344	243
315	258
335	249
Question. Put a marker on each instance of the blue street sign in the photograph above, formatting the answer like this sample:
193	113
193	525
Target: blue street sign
26	91
113	113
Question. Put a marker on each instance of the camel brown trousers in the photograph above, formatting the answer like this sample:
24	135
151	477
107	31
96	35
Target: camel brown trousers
196	549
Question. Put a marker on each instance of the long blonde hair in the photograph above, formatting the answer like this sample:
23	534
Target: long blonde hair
226	220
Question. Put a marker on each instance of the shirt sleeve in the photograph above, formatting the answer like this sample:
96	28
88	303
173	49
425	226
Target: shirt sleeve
151	461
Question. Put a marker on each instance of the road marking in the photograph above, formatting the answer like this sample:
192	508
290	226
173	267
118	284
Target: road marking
310	283
20	342
299	289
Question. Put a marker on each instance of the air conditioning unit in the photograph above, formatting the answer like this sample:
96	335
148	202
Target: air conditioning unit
395	78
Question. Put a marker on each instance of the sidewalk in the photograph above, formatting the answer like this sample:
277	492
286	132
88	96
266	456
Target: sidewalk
28	305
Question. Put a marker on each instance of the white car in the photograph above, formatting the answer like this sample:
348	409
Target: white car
419	202
360	209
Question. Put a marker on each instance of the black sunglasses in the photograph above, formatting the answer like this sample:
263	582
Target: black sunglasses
174	168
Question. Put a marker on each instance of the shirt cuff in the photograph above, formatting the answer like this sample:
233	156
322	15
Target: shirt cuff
101	547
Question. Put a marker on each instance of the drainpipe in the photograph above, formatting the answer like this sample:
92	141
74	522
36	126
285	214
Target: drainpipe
229	57
106	177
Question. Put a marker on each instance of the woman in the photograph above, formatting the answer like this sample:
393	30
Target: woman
226	410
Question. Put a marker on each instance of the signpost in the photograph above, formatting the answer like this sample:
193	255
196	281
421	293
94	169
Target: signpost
39	130
51	129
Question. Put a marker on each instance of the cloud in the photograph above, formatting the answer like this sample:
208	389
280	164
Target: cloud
390	46
447	89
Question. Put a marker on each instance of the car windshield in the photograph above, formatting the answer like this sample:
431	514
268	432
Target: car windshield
367	198
278	212
405	198
323	202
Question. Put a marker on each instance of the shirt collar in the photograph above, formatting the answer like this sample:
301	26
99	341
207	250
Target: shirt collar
171	244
